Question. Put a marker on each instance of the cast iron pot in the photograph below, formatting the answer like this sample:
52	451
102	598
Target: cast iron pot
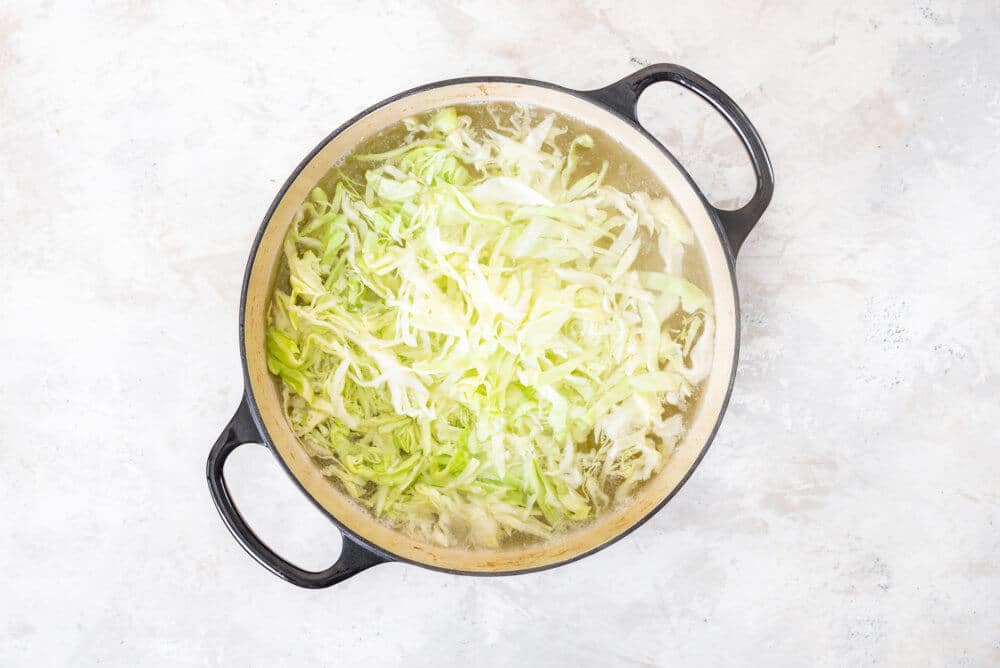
259	418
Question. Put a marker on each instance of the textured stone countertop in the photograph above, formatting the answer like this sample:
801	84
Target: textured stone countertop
849	510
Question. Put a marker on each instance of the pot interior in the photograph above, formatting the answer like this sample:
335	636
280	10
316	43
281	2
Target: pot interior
702	423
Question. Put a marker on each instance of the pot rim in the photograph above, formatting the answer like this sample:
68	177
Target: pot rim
599	99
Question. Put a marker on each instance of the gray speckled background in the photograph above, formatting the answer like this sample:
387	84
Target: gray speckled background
847	513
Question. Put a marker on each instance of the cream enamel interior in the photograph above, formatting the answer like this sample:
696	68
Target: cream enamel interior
608	526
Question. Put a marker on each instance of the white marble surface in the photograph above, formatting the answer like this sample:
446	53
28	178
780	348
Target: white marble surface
848	511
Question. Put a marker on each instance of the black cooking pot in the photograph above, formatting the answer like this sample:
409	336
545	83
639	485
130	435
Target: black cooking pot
259	418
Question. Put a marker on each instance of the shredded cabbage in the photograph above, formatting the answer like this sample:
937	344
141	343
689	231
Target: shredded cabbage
466	343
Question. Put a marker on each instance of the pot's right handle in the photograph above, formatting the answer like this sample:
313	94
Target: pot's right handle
623	96
354	557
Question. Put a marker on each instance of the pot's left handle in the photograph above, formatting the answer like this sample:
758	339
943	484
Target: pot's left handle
354	558
623	97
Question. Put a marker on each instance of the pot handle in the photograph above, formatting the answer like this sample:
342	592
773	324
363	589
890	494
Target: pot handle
354	557
623	96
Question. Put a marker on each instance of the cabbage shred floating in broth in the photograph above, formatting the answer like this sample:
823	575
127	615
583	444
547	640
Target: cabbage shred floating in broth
465	342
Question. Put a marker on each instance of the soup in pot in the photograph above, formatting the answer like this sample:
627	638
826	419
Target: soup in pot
490	326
